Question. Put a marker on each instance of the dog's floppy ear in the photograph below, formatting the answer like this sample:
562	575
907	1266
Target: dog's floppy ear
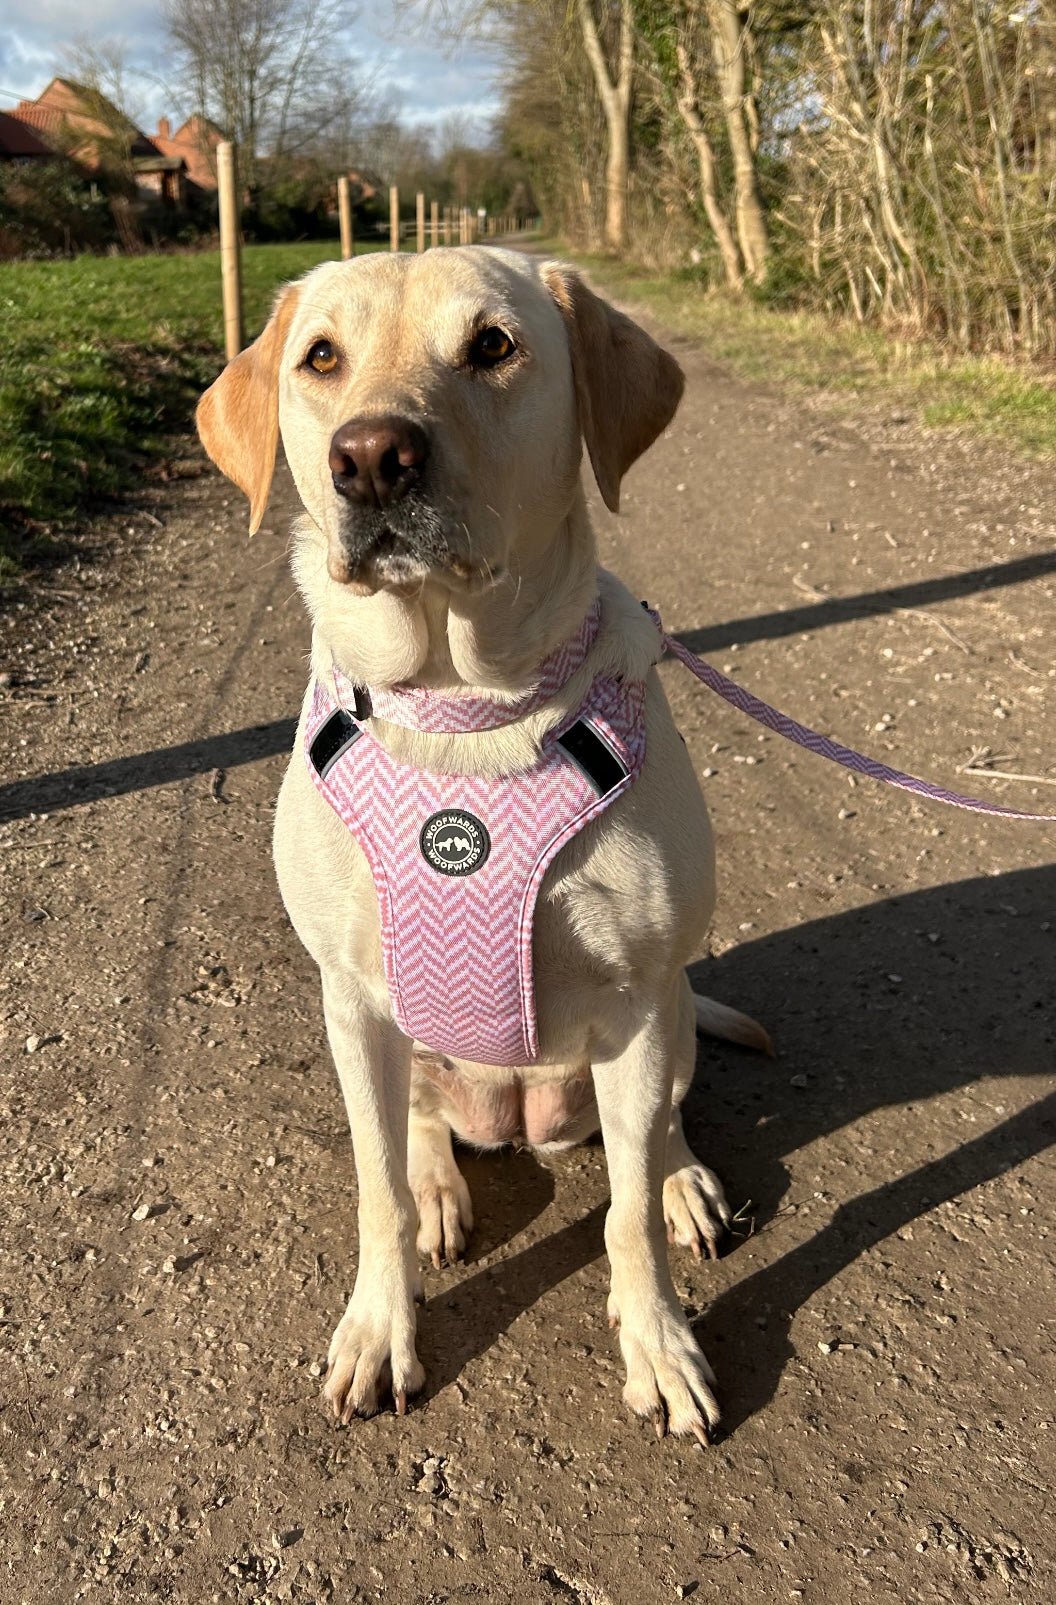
238	417
627	387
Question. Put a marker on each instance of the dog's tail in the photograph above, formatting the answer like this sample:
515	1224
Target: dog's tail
716	1020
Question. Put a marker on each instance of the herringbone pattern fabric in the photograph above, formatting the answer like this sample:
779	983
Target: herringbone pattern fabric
458	950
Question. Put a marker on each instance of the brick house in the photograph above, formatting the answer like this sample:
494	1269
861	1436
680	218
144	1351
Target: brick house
84	125
194	142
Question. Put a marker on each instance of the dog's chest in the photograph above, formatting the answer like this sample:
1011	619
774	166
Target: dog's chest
458	861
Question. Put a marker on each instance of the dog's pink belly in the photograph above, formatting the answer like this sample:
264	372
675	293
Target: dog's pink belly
492	1114
551	1110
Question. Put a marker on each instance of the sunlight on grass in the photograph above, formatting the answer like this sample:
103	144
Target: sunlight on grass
102	359
848	363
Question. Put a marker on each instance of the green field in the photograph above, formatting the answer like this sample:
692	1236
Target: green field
102	359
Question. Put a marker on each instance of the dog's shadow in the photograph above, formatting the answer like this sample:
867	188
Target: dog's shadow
889	1004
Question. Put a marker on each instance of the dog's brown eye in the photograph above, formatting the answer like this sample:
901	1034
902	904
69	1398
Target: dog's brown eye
491	346
322	357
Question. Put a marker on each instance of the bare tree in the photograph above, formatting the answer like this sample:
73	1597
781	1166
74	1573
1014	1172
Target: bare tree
103	67
688	102
272	74
606	32
730	44
614	76
701	58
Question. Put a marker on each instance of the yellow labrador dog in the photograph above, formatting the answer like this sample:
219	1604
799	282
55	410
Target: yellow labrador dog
432	411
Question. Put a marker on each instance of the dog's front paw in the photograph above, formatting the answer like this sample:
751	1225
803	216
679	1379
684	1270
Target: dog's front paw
669	1381
695	1210
371	1354
445	1211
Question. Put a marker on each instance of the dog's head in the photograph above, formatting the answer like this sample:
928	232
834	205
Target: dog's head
432	408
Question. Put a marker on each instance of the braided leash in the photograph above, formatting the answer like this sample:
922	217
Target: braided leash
824	746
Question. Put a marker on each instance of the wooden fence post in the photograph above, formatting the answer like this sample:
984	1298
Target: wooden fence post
344	212
230	260
434	222
394	218
419	218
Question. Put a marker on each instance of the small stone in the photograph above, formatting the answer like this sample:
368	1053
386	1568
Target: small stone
797	1081
32	1044
169	1266
827	1348
897	979
284	1540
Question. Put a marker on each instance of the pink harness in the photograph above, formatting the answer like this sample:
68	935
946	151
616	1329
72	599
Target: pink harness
458	860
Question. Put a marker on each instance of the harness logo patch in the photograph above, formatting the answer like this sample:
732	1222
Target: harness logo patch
454	842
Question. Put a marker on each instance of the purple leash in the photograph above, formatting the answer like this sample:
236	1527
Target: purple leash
824	746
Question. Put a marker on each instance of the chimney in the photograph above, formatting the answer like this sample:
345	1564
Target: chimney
163	128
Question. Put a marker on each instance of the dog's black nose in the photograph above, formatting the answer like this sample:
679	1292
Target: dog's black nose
375	461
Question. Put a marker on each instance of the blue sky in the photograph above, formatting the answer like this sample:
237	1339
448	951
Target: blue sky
424	85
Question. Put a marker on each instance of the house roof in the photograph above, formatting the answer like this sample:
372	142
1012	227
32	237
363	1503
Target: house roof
18	139
65	105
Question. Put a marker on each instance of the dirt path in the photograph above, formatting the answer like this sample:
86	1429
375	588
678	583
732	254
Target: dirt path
178	1192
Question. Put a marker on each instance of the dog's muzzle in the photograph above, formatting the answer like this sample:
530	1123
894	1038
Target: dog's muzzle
390	531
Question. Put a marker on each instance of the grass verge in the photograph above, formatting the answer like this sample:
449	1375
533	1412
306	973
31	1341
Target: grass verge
847	362
101	360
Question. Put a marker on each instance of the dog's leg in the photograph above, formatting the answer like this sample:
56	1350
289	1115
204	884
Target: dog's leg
668	1378
695	1209
373	1346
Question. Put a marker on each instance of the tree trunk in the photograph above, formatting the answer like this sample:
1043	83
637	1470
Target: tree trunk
615	98
689	111
728	41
